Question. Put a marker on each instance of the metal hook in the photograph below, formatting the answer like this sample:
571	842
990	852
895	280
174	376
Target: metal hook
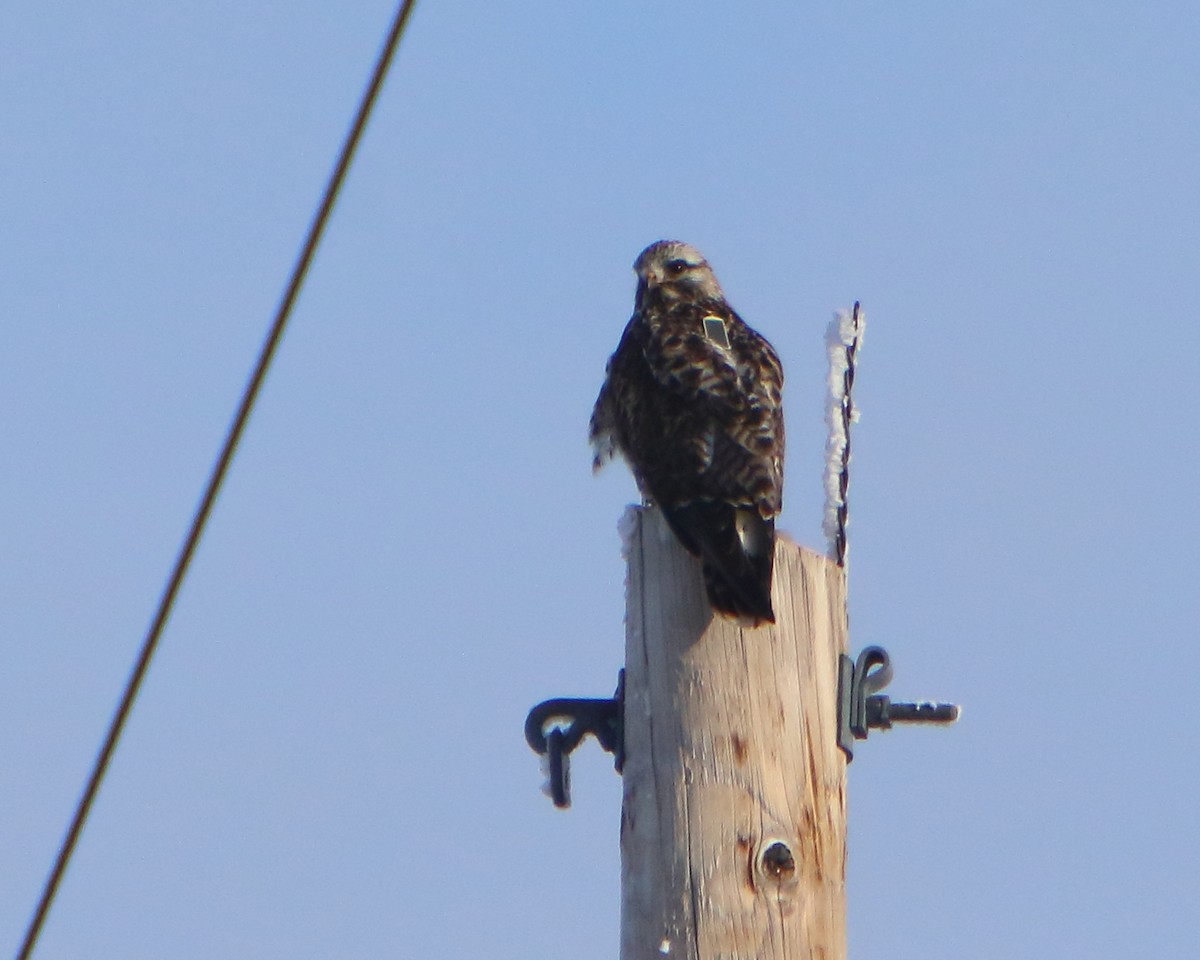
570	720
861	706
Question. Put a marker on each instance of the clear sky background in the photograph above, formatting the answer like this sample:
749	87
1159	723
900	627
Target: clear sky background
411	551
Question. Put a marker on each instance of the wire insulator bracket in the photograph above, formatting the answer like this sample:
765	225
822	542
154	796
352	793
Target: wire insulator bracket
861	707
554	728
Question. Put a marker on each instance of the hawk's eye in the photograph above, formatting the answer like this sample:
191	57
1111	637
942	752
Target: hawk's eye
676	267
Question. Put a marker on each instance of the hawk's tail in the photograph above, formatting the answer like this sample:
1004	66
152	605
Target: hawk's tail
737	547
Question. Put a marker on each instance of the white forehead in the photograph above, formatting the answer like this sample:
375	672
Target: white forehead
660	253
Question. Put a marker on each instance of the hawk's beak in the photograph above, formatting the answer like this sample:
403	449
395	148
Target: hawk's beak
652	278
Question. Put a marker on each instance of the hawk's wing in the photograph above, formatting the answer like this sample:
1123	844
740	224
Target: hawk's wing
731	381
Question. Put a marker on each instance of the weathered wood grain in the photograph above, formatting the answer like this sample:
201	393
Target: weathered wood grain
733	833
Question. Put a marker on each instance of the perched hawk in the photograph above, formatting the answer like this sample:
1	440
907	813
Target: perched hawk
691	400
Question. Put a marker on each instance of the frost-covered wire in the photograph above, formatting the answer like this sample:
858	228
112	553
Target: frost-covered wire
843	341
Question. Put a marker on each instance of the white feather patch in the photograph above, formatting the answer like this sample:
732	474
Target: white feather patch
604	448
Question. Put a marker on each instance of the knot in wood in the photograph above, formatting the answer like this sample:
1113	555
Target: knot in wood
778	862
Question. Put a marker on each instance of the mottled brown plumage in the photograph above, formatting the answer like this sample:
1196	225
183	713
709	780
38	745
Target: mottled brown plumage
692	401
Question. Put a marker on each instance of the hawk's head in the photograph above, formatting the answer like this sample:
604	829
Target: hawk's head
677	271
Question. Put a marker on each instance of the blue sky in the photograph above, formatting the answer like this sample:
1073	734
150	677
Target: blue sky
411	551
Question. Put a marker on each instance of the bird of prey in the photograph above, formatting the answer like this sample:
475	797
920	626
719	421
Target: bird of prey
692	401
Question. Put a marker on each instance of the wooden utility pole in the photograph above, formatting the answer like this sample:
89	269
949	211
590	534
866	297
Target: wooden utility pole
734	741
733	826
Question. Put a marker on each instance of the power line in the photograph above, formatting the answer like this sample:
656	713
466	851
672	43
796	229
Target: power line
216	478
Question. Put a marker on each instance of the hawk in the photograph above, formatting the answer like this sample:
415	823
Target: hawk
692	401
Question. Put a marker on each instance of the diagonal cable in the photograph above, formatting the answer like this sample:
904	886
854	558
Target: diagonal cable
216	479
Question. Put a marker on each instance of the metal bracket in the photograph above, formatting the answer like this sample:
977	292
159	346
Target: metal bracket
861	706
570	720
